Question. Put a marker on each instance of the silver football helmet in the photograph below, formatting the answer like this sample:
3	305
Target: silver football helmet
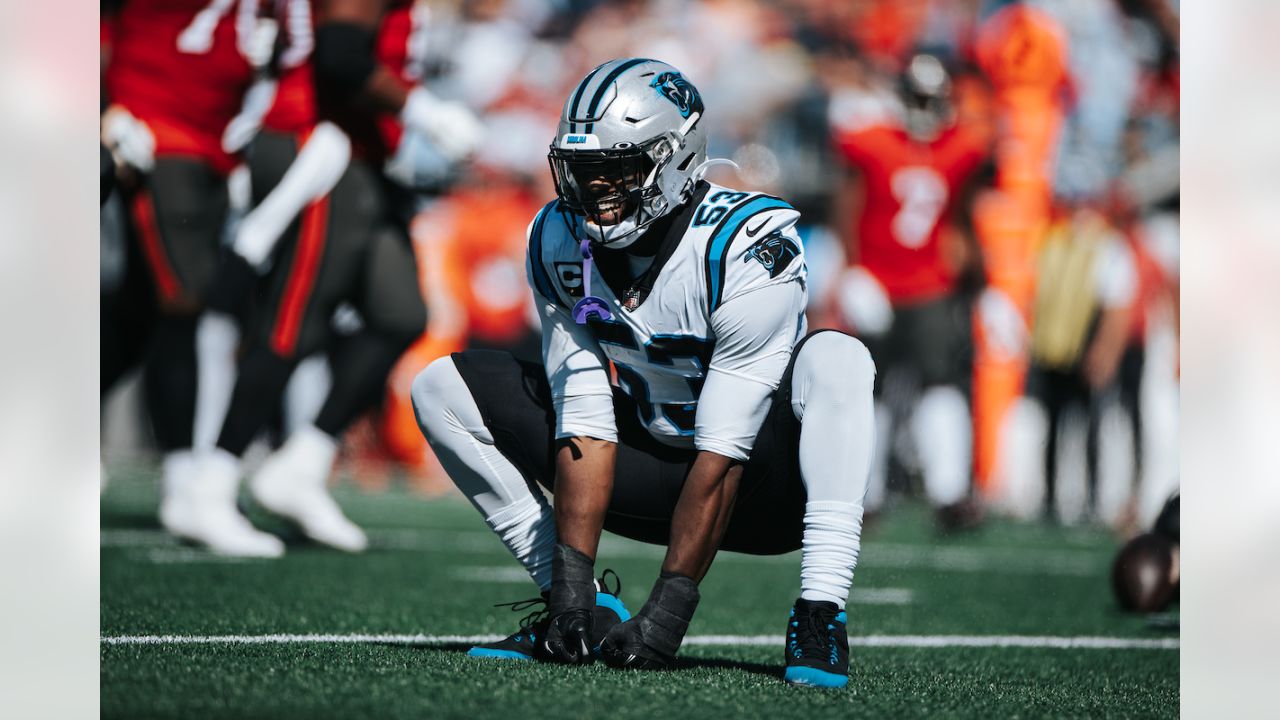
629	148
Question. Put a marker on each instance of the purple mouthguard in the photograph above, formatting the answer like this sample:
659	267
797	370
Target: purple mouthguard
589	305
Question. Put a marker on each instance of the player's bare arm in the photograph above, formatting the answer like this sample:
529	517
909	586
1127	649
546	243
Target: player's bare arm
702	514
584	481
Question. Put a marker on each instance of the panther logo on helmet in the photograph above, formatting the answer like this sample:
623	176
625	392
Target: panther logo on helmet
679	91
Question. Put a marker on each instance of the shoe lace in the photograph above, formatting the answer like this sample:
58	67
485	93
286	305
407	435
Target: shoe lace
532	618
814	631
604	582
535	617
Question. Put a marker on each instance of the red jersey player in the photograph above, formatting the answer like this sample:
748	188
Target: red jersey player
904	213
327	228
176	76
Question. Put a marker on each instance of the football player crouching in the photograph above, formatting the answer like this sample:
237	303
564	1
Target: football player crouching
730	428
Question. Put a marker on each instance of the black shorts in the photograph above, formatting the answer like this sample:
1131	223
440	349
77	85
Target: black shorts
176	216
515	401
929	344
347	246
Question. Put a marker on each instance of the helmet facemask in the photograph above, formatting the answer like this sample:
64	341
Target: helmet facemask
615	191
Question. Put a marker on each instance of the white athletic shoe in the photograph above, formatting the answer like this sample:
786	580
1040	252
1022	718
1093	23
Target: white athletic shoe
199	504
291	483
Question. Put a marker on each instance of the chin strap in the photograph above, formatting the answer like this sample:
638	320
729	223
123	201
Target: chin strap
589	305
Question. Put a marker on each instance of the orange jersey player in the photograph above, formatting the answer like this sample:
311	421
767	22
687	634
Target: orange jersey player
1023	51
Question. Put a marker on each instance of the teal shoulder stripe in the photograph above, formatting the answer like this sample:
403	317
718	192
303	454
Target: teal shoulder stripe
541	280
718	248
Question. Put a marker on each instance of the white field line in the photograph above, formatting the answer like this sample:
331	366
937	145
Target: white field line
944	558
880	641
881	596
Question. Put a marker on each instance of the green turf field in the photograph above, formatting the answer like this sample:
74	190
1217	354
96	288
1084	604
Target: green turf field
965	627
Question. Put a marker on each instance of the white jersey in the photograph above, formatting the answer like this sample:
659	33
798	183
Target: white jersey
699	341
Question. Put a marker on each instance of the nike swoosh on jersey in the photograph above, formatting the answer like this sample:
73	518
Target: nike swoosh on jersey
752	232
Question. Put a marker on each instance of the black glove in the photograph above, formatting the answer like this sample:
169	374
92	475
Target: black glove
650	640
571	608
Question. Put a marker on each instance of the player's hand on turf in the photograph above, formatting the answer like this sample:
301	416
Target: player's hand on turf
651	639
624	647
568	639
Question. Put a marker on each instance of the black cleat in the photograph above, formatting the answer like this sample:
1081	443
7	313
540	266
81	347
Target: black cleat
518	645
609	611
817	645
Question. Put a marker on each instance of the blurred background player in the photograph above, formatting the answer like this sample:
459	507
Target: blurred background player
912	268
176	76
1085	293
342	110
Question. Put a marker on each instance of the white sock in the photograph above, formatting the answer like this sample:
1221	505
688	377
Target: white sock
306	391
1020	480
832	539
217	336
831	396
453	426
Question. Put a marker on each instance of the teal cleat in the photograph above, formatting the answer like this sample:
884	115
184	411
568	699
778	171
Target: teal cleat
817	645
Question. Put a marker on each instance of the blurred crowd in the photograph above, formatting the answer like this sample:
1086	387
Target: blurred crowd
1023	304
